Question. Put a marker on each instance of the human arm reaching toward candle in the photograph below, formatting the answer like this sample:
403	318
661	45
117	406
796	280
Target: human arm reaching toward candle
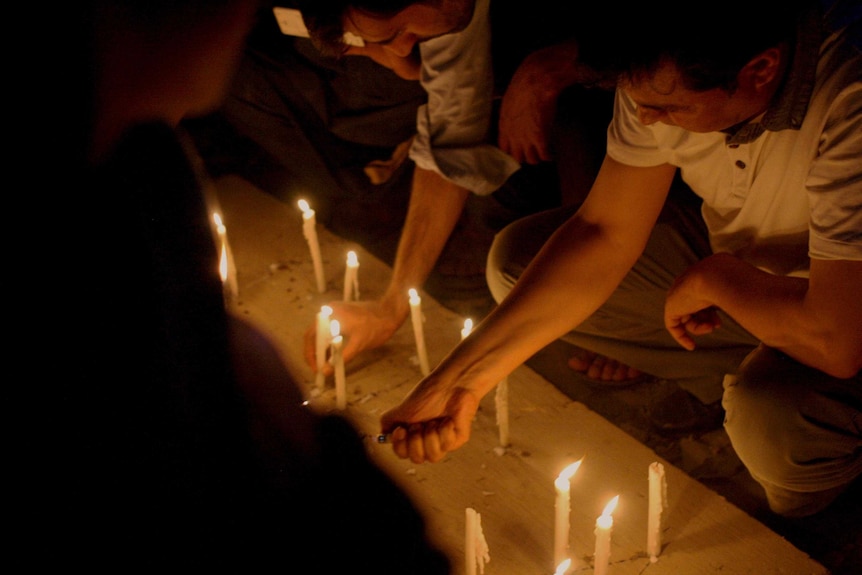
435	207
451	151
576	271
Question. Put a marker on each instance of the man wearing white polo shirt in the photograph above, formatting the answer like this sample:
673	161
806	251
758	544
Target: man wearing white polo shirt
760	112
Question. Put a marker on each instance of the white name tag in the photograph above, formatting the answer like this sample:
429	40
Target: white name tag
291	24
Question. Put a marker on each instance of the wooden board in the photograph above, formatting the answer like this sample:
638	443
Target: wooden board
513	489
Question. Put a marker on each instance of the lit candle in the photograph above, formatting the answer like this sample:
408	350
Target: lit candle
604	525
226	265
309	230
338	364
351	279
562	508
418	333
563	567
476	552
468	327
322	341
657	505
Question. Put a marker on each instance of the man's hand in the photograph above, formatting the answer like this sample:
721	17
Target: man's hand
364	325
687	312
433	420
526	116
530	102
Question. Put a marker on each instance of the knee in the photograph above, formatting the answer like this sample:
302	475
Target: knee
500	271
801	445
755	417
515	246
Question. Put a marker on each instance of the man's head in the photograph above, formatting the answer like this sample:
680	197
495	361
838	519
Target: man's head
161	59
702	72
389	29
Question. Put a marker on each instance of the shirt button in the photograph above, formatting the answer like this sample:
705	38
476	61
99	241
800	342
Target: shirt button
740	164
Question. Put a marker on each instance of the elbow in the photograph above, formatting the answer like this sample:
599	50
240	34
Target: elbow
843	372
846	369
844	361
833	352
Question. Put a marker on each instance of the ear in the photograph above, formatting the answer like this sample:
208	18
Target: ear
764	69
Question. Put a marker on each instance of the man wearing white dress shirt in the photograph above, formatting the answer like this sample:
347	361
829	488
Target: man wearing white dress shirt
447	46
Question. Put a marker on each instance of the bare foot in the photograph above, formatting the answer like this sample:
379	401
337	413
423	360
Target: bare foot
602	368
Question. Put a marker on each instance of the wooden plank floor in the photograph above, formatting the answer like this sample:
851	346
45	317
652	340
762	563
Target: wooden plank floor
512	489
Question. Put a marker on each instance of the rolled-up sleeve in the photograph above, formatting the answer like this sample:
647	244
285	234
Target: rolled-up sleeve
629	140
835	181
454	127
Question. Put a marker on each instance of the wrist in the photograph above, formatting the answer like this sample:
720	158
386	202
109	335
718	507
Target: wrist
395	305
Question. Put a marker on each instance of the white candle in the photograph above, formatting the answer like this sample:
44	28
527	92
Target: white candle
562	509
657	505
338	364
604	526
322	342
351	277
501	404
475	546
309	230
470	541
418	333
226	265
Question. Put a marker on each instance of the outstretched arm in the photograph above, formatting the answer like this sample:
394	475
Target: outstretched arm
573	274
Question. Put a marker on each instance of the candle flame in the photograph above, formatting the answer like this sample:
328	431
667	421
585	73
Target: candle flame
609	508
335	328
352	260
414	296
562	481
325	311
468	328
222	265
303	205
563	567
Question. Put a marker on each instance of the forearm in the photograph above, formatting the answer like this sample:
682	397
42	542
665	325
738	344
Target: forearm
435	207
558	291
572	275
815	320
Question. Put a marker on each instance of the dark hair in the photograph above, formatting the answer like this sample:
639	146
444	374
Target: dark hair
323	18
708	48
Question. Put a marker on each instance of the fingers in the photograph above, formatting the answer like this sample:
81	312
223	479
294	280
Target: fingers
525	154
420	442
682	338
399	442
704	321
683	327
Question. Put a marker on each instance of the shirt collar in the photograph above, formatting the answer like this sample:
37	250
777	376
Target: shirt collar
788	107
